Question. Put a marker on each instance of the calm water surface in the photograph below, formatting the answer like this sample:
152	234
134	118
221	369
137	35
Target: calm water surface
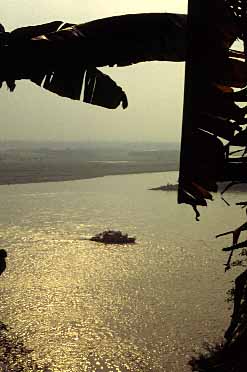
73	305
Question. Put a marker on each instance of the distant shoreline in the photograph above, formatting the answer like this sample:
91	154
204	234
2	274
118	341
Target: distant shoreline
22	163
13	175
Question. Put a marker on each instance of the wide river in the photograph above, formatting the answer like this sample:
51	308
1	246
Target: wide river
72	305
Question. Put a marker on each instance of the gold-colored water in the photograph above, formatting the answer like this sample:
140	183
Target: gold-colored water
71	305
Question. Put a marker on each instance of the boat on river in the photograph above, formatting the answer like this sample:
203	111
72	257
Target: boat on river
113	237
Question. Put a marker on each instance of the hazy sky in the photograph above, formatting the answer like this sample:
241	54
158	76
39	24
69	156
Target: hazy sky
154	89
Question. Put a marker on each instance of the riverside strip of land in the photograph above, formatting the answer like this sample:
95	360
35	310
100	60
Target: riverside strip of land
24	162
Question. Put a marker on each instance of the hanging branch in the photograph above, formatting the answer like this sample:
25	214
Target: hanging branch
235	245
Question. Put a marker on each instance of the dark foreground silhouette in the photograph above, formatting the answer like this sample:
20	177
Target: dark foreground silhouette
3	255
230	355
14	355
63	57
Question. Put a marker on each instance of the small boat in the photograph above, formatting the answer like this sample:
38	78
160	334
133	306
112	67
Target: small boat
113	237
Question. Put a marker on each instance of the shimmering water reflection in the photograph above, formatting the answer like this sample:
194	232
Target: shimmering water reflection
73	305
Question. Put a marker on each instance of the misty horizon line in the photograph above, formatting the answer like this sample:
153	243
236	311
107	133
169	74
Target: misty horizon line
89	142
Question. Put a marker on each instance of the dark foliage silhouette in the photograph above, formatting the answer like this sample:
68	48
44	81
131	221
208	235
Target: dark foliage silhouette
3	255
213	126
64	58
213	123
14	355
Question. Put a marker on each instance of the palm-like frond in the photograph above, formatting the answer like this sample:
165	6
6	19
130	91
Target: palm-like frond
63	57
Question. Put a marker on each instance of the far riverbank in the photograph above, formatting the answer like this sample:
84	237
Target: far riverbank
51	162
29	172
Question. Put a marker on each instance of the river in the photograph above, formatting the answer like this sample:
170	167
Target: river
72	305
